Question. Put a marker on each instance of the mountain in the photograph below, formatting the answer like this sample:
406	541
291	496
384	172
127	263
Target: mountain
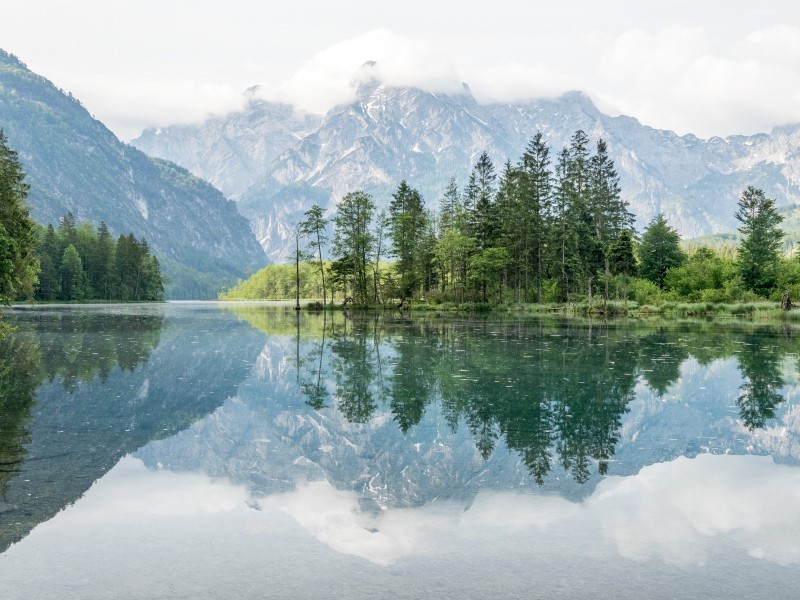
75	164
388	134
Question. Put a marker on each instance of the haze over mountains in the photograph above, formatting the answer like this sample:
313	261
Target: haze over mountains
276	162
75	164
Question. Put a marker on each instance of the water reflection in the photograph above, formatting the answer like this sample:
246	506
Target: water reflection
553	391
373	456
82	387
716	526
19	363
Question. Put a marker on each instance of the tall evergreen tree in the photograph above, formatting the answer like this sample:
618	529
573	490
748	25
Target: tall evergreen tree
659	251
407	222
103	265
480	195
759	251
449	205
608	211
19	265
563	235
536	190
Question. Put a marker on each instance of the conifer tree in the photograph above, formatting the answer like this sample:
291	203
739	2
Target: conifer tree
536	189
659	251
407	222
608	211
19	265
759	251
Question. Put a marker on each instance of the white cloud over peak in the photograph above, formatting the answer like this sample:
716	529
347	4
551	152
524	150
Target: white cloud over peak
331	77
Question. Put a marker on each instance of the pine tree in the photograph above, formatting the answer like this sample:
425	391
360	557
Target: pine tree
19	265
536	189
103	265
563	235
608	211
480	195
449	205
759	251
407	222
659	251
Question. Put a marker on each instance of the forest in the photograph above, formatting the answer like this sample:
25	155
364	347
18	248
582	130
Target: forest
543	230
74	263
79	262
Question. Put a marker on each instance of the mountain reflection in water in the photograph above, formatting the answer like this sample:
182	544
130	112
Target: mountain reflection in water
552	390
382	456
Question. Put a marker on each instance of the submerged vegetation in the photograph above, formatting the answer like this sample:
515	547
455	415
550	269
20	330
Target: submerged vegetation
535	237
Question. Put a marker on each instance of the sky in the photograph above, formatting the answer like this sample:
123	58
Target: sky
690	66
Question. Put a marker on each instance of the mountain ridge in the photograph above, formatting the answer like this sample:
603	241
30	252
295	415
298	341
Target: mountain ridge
388	134
73	163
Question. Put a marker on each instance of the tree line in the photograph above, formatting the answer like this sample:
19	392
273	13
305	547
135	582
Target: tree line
543	230
530	233
81	262
74	262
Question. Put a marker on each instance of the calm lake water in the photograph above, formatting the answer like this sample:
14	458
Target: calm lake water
240	451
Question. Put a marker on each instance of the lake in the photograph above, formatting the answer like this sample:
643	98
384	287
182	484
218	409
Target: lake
203	450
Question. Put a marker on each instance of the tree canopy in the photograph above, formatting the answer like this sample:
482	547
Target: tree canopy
19	266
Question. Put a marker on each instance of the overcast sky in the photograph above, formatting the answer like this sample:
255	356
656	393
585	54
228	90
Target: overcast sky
700	66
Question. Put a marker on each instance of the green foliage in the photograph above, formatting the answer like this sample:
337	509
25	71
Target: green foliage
354	241
277	282
81	263
407	224
646	292
19	267
659	251
314	228
759	251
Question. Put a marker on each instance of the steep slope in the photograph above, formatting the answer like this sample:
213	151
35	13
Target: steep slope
235	151
388	134
75	164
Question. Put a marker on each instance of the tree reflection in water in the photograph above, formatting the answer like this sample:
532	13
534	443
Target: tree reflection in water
555	391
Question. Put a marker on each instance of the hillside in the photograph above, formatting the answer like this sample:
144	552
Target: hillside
75	164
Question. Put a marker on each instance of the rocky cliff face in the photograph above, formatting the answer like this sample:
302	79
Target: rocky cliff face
389	134
75	164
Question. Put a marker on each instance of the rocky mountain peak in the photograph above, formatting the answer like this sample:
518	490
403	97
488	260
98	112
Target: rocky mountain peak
390	133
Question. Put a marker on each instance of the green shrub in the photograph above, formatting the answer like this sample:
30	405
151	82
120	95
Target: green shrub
645	292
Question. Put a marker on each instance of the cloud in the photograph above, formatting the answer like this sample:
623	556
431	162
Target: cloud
134	105
674	79
335	519
511	81
676	512
132	491
331	77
